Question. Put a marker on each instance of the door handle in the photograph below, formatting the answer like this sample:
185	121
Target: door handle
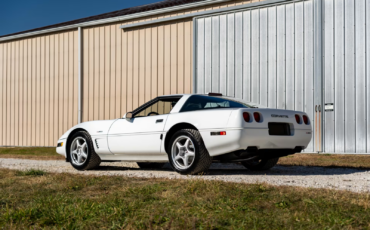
159	121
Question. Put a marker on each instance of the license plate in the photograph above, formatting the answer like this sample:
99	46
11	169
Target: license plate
279	129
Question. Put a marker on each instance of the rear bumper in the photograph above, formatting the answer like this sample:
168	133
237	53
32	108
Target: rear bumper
261	139
241	139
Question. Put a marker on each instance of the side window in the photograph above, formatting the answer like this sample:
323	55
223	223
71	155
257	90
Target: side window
159	108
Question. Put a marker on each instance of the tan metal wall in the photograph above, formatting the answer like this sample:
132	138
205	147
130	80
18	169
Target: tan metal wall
38	82
121	70
124	69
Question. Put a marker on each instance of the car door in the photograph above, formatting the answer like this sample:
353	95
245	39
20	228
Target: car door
140	135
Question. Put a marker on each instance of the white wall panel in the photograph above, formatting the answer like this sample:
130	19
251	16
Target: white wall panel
239	55
309	62
230	55
246	55
216	54
272	48
268	57
281	54
345	76
339	76
368	74
360	73
329	73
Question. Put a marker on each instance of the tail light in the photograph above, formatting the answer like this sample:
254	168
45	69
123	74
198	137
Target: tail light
298	119
247	117
305	119
257	117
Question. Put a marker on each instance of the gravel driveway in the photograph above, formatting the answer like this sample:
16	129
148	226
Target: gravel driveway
356	180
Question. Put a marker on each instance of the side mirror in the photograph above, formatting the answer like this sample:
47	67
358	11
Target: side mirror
128	116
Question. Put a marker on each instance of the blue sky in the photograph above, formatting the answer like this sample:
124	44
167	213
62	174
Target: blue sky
20	15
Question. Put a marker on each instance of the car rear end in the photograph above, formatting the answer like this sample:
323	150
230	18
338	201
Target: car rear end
272	129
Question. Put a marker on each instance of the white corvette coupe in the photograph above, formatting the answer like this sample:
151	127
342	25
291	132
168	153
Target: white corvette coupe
190	131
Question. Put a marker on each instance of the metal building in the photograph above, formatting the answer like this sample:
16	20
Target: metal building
309	55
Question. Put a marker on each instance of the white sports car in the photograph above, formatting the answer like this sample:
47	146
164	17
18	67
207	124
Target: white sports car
190	131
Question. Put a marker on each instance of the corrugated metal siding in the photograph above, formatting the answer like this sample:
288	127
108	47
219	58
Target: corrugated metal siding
38	89
122	69
346	75
261	55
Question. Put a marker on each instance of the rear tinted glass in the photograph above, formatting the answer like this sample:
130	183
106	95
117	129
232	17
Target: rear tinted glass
198	102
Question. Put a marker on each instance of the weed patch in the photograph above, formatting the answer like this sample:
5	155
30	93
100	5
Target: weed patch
31	172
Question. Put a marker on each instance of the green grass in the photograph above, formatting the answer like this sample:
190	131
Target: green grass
31	172
37	153
88	202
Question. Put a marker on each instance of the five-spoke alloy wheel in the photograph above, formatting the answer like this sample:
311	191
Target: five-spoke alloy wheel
187	153
81	152
183	152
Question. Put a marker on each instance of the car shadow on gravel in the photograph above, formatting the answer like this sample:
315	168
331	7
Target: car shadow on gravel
217	169
287	171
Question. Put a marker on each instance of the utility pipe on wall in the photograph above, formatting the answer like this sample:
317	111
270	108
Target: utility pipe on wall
79	74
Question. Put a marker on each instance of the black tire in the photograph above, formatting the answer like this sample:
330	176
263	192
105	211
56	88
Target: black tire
147	165
202	160
260	165
93	160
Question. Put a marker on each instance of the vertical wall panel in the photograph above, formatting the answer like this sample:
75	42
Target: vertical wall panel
113	47
2	83
368	73
263	51
281	54
208	56
272	58
290	51
350	91
223	56
255	47
238	55
246	56
86	78
339	76
299	56
309	64
360	73
200	56
141	67
107	71
269	57
345	76
215	54
329	74
230	55
180	59
37	73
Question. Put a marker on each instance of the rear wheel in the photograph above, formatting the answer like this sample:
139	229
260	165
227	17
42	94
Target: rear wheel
147	165
187	153
82	153
260	164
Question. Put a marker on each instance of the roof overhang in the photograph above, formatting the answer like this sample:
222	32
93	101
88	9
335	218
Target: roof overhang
209	12
114	19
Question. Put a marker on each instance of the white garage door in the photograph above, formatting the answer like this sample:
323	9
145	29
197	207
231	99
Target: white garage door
263	55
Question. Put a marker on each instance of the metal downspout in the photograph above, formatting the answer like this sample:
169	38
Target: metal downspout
79	118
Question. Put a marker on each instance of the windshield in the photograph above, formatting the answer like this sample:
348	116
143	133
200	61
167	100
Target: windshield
199	102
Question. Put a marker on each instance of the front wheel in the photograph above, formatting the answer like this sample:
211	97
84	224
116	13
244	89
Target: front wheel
260	164
187	153
82	153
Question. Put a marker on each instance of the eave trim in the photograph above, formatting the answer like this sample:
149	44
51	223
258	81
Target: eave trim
114	19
